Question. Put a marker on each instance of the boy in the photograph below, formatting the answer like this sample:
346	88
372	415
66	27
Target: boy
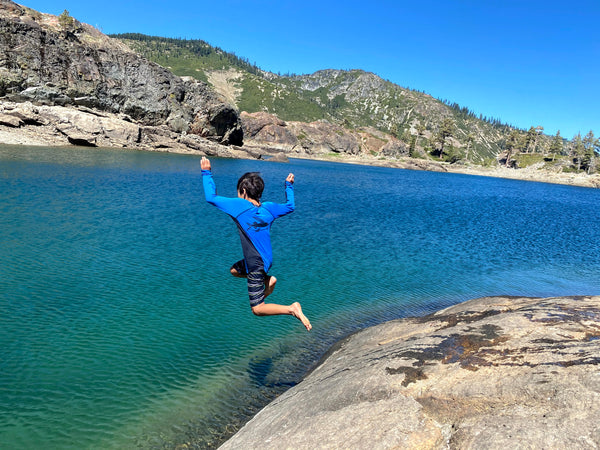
254	220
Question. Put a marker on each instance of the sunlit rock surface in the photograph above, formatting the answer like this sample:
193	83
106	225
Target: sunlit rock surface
498	372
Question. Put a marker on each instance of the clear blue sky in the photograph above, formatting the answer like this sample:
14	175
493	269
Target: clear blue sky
526	63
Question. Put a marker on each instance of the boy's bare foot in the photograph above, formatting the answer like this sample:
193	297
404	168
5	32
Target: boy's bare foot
297	313
270	283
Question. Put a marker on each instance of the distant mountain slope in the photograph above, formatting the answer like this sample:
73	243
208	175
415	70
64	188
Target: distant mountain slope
363	99
197	59
353	99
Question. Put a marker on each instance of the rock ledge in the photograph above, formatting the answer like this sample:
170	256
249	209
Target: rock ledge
496	372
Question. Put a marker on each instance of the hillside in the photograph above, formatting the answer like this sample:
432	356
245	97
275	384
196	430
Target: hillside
352	99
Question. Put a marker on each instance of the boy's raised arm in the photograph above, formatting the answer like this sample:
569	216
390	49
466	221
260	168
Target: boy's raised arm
210	189
281	209
230	206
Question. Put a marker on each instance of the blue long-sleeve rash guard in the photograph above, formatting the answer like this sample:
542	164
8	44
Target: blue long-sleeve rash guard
254	222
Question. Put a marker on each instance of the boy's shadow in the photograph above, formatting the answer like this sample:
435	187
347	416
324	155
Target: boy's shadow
261	373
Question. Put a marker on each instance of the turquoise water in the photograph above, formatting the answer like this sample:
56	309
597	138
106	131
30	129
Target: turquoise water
120	326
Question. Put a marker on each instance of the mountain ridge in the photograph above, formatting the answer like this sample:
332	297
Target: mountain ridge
351	98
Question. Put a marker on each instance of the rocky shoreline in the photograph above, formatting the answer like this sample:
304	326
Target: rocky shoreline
27	124
496	372
527	174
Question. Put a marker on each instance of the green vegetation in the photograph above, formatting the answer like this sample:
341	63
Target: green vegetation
529	149
529	159
445	131
259	94
190	56
465	113
584	152
65	21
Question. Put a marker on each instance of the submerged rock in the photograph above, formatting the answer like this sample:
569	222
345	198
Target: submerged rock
498	372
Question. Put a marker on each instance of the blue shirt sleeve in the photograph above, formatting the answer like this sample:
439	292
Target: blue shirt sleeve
232	206
281	209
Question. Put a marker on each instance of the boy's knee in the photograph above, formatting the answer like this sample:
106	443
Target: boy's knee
256	310
235	273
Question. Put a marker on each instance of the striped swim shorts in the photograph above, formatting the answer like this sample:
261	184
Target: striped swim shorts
256	283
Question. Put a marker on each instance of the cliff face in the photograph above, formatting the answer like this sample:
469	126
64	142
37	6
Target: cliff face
55	61
498	372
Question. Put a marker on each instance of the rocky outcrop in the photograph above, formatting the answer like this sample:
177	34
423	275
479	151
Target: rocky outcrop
62	62
323	137
316	138
44	125
264	129
496	372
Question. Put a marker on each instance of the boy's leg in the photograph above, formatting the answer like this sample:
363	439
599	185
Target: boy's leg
272	309
270	282
238	270
256	292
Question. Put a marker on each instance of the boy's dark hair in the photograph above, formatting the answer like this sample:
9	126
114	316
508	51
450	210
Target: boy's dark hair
253	184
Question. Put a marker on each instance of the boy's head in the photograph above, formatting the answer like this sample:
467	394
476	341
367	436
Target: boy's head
252	185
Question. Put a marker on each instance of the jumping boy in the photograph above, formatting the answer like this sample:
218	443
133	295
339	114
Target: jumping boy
254	220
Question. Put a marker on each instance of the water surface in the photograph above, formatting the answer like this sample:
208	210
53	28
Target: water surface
121	327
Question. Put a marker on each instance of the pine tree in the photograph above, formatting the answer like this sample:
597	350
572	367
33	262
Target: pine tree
577	150
470	141
66	21
446	131
420	130
513	145
588	160
556	147
530	140
412	147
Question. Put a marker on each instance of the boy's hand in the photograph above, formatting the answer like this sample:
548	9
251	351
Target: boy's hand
290	178
205	163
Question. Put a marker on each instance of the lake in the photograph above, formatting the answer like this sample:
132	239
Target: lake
121	327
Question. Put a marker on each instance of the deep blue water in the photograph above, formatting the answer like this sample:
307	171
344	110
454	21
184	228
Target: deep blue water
120	326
